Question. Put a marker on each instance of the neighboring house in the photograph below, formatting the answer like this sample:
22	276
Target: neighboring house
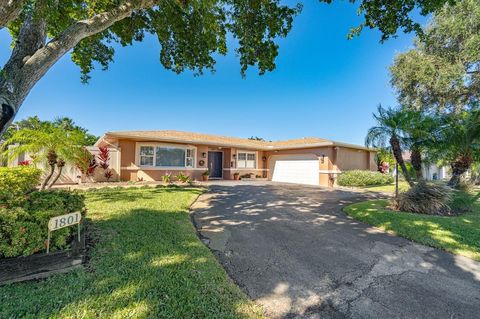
430	171
148	155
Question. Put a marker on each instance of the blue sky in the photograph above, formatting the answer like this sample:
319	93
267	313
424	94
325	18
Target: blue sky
324	86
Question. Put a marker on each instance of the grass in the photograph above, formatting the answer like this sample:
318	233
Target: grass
459	235
148	263
390	188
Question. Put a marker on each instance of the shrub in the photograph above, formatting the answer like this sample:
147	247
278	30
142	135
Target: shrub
61	201
181	177
364	178
167	178
15	182
463	201
423	198
23	229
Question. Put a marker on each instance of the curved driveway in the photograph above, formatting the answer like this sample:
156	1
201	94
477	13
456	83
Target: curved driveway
293	251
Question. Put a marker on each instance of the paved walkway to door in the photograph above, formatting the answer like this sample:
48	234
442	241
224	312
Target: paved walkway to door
293	250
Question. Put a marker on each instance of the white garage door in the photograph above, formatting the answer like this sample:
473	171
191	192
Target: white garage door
300	169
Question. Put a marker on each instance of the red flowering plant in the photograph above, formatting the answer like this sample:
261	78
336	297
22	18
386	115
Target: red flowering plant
384	167
104	157
108	174
24	163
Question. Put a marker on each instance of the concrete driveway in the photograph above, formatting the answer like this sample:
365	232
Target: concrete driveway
293	251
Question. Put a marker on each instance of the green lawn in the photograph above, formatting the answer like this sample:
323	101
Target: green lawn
148	263
459	235
402	186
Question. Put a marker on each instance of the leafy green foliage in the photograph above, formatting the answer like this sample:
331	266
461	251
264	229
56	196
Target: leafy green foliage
191	34
384	155
64	123
181	177
15	182
389	16
363	178
62	201
49	138
167	178
389	133
442	72
23	228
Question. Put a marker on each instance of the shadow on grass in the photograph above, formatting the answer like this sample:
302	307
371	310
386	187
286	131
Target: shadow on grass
148	263
134	193
457	234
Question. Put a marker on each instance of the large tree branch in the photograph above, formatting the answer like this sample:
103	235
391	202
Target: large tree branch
43	59
24	70
10	10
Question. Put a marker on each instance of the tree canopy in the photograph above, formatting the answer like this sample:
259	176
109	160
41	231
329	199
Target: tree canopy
390	16
64	123
442	72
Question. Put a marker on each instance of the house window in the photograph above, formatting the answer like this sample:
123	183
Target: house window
146	155
246	160
162	156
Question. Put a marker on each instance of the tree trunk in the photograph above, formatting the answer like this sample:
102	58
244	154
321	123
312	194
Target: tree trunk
459	167
10	10
60	165
416	160
47	178
52	161
397	153
32	57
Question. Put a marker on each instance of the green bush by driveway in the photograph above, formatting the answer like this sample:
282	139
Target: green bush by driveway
363	178
459	235
147	263
23	228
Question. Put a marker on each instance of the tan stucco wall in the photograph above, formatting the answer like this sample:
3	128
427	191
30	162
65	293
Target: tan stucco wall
348	159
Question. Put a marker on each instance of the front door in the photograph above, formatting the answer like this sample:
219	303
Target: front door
215	160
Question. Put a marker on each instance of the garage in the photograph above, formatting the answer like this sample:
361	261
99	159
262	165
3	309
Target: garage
295	168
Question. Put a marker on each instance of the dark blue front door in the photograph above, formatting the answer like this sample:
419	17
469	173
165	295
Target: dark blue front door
215	164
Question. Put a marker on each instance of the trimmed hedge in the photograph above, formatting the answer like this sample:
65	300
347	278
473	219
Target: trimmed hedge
15	182
364	178
23	229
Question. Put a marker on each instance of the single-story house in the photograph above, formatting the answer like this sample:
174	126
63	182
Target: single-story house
148	155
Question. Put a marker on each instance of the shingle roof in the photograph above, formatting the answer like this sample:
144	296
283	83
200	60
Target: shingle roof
208	139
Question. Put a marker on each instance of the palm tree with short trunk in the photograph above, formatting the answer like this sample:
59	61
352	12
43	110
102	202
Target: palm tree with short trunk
418	129
459	142
388	131
50	145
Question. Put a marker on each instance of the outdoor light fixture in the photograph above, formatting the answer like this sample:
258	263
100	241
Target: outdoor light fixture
234	155
264	158
204	154
323	158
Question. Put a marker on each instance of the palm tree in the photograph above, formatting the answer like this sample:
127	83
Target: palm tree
49	144
418	129
389	129
459	142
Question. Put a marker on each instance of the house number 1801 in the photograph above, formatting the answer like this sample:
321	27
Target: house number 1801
62	221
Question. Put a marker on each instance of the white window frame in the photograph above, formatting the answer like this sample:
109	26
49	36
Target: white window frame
246	159
163	145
